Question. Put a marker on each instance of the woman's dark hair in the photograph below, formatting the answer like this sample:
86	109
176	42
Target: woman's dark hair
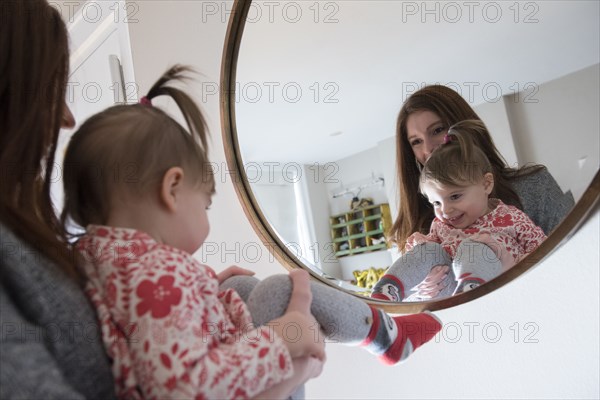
34	67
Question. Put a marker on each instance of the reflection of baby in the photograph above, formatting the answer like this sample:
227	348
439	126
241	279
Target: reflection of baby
481	237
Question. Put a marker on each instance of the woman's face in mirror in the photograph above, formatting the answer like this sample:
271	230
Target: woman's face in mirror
425	131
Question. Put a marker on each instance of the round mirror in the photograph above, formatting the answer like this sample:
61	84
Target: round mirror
310	96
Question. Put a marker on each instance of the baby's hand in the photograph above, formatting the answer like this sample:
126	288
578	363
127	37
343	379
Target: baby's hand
308	367
416	239
297	327
232	271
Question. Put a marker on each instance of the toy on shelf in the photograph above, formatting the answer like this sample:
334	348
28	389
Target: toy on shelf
357	203
367	278
378	240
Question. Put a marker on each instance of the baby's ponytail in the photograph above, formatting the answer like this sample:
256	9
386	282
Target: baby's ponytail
459	161
126	150
187	106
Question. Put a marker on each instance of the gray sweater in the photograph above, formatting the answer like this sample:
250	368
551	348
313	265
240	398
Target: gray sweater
50	341
543	200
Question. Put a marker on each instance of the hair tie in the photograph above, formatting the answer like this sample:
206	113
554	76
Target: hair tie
447	138
145	101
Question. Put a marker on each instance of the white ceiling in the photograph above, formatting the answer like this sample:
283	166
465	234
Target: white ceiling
370	54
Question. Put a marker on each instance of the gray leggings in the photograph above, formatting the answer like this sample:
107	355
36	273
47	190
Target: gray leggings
473	258
342	317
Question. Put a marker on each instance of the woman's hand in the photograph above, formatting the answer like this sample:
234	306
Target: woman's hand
232	271
432	285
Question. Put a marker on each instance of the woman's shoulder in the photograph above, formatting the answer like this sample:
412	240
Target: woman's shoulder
542	198
26	265
39	294
539	178
540	187
35	281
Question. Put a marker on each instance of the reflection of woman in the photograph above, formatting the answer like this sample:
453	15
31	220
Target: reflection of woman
477	235
422	124
50	344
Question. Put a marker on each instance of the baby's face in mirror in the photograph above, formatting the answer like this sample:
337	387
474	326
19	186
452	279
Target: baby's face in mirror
458	206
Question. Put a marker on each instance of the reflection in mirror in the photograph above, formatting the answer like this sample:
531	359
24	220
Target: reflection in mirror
319	86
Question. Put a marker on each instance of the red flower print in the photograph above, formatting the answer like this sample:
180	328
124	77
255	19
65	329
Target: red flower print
166	360
214	357
128	252
157	297
111	293
505	220
263	352
125	372
171	383
102	232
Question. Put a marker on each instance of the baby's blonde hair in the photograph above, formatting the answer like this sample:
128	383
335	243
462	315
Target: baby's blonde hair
128	149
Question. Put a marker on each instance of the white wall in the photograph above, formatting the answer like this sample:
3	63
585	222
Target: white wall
314	189
551	117
560	296
96	31
387	157
294	198
358	170
496	119
272	194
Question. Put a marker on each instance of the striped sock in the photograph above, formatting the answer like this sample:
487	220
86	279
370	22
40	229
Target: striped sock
390	288
393	339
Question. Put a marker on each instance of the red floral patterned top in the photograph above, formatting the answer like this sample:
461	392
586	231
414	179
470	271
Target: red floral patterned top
169	331
508	231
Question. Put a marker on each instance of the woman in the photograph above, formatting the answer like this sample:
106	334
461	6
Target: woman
50	342
422	124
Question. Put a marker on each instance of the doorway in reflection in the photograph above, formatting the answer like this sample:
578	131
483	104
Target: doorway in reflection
300	201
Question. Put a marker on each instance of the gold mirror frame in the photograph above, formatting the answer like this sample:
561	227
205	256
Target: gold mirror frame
286	257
